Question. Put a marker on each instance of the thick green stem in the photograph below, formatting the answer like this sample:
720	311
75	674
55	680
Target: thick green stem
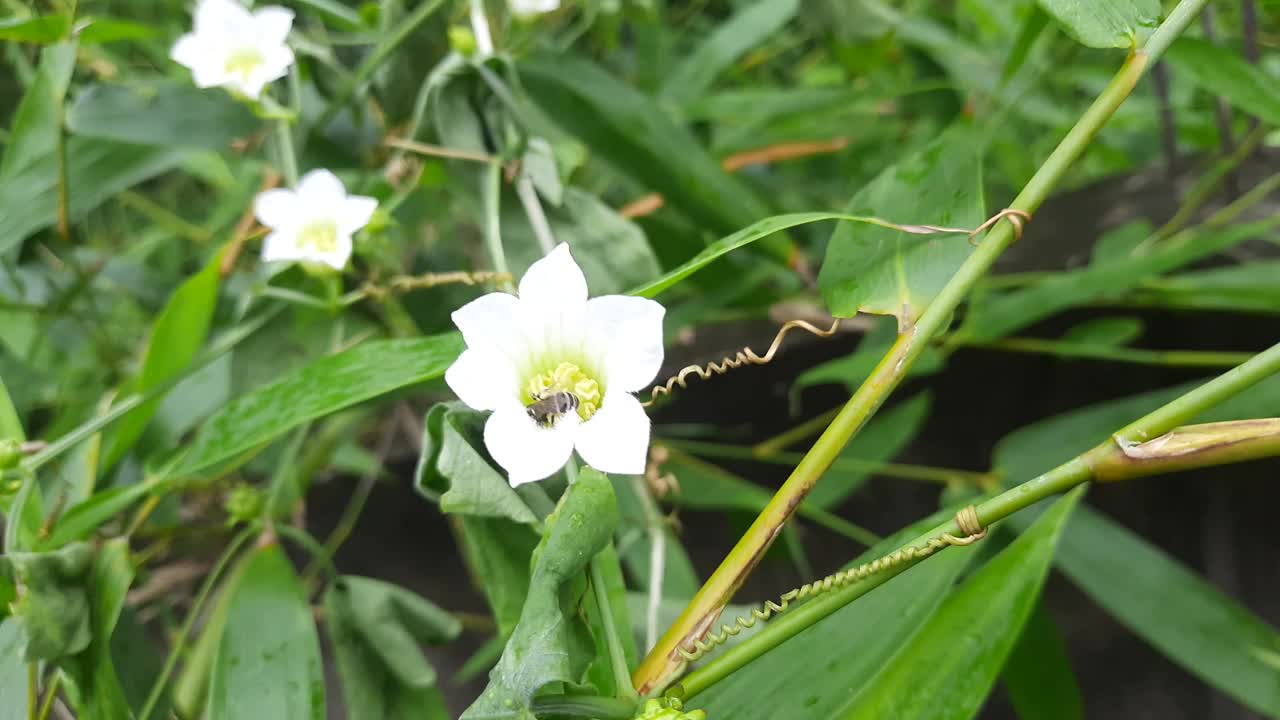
1109	458
664	659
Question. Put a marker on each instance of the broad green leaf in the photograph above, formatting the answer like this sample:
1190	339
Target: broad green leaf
137	662
545	647
1106	331
679	580
1181	615
892	272
92	673
997	315
1038	674
1223	73
949	667
626	129
160	112
13	671
327	385
37	120
101	30
53	599
376	629
190	689
36	29
816	673
177	335
268	661
612	251
750	26
746	236
1241	288
852	369
498	552
1105	23
453	461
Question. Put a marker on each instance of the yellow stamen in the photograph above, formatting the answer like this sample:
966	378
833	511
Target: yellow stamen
243	62
567	377
321	235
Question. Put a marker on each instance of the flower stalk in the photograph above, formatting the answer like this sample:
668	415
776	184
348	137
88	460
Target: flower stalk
664	659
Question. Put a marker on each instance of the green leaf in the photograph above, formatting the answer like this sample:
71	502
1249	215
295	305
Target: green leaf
38	119
376	629
745	236
10	422
1185	618
53	601
626	129
177	335
1034	22
612	251
92	673
1105	23
453	457
160	112
13	671
268	661
815	674
82	520
1223	73
498	552
731	39
1038	674
36	29
1242	288
545	647
997	315
1106	331
102	30
679	579
892	272
601	672
325	386
949	667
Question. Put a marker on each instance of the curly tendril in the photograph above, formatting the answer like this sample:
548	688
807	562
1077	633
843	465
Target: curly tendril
966	519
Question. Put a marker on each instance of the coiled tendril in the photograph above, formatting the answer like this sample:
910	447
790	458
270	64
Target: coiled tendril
745	356
966	519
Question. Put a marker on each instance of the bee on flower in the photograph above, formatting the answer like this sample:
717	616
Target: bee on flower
234	48
558	371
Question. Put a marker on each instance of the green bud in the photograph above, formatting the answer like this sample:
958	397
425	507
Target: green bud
243	504
668	708
462	40
10	453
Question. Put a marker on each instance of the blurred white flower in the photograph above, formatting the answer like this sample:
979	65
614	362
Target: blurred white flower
313	223
533	7
233	48
558	371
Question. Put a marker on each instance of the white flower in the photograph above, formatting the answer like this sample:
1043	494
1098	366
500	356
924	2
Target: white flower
233	48
533	7
314	223
550	340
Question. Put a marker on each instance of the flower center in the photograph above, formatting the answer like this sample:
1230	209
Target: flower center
567	377
322	235
242	62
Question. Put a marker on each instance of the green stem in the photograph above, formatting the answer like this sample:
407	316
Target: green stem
617	657
777	443
401	32
492	220
33	690
664	659
189	622
1068	349
288	159
1058	480
50	694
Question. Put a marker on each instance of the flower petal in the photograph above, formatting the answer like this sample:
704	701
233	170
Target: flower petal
225	18
336	257
277	208
526	451
625	333
280	247
355	213
490	322
188	51
275	65
484	380
554	281
616	438
272	24
321	190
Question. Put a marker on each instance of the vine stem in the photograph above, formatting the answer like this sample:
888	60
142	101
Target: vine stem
492	220
664	659
1112	460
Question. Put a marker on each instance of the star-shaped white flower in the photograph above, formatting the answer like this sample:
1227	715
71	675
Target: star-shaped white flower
313	223
233	48
533	7
548	342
